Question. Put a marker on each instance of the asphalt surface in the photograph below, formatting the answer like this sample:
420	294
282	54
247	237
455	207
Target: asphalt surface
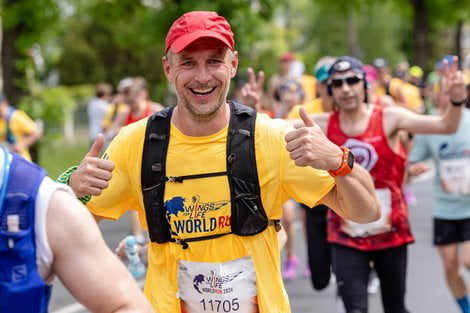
426	289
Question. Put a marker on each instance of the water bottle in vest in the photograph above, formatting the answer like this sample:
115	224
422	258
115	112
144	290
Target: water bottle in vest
134	265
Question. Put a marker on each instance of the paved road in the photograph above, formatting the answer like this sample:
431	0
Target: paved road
426	293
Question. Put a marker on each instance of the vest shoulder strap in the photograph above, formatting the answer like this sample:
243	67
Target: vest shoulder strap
157	137
9	134
22	187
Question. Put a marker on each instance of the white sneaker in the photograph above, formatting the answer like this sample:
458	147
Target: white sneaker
373	286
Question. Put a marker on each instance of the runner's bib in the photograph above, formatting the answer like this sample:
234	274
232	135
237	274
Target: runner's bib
217	287
455	176
383	225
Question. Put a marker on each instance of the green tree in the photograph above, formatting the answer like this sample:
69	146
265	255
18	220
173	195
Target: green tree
24	23
109	40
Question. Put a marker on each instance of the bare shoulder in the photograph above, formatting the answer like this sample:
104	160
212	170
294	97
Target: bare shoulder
66	218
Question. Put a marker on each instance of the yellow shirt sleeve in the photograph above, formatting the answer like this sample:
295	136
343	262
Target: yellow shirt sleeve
113	110
280	178
124	190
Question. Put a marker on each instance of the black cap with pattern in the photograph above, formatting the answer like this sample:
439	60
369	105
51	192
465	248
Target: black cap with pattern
346	63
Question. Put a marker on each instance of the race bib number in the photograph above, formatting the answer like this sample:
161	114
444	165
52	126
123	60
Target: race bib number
383	225
217	287
455	176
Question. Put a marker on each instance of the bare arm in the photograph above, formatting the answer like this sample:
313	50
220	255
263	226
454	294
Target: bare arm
354	196
83	262
398	118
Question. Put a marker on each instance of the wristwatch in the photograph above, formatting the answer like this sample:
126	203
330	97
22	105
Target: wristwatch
346	164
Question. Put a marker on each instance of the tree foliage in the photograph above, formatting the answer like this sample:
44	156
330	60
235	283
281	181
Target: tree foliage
24	23
110	40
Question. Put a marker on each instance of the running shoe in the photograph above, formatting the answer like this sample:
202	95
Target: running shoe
290	268
374	285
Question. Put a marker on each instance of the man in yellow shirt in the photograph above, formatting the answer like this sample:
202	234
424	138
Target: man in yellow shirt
203	263
17	130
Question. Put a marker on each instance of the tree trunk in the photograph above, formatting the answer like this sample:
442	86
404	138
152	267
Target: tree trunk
11	74
351	34
458	41
420	44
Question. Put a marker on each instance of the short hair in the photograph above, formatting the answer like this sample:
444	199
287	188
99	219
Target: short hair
140	82
103	89
292	84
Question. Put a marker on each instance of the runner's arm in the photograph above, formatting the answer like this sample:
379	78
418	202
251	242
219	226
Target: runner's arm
397	118
84	263
354	197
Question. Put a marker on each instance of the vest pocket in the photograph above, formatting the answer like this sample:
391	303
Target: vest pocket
21	287
248	215
28	295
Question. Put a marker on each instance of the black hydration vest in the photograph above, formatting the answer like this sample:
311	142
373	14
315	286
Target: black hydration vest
248	216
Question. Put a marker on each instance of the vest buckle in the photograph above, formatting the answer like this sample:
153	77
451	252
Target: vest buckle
182	242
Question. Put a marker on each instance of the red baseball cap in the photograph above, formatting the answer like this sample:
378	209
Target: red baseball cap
198	24
287	57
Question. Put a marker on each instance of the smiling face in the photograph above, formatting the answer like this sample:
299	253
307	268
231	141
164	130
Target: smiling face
201	75
347	96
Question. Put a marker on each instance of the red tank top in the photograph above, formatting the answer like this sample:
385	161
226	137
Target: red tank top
387	168
147	112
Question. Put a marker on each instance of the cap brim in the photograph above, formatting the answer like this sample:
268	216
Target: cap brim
182	42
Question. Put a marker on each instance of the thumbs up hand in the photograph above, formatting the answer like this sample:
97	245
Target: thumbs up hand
308	146
93	173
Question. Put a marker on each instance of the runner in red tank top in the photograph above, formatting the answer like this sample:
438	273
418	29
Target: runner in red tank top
147	111
372	151
371	134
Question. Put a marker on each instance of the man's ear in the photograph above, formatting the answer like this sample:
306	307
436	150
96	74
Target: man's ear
234	63
167	68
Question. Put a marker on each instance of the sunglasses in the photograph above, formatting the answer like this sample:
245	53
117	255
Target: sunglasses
351	80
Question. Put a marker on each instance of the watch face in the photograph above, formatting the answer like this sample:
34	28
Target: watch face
350	160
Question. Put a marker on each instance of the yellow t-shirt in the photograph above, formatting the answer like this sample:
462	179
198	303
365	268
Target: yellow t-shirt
410	92
466	76
280	179
113	110
412	95
21	125
309	84
312	107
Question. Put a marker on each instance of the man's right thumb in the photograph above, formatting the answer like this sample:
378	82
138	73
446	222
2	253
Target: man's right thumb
305	118
96	147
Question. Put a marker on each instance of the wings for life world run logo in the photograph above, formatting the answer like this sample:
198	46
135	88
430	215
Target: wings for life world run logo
194	215
214	284
364	153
